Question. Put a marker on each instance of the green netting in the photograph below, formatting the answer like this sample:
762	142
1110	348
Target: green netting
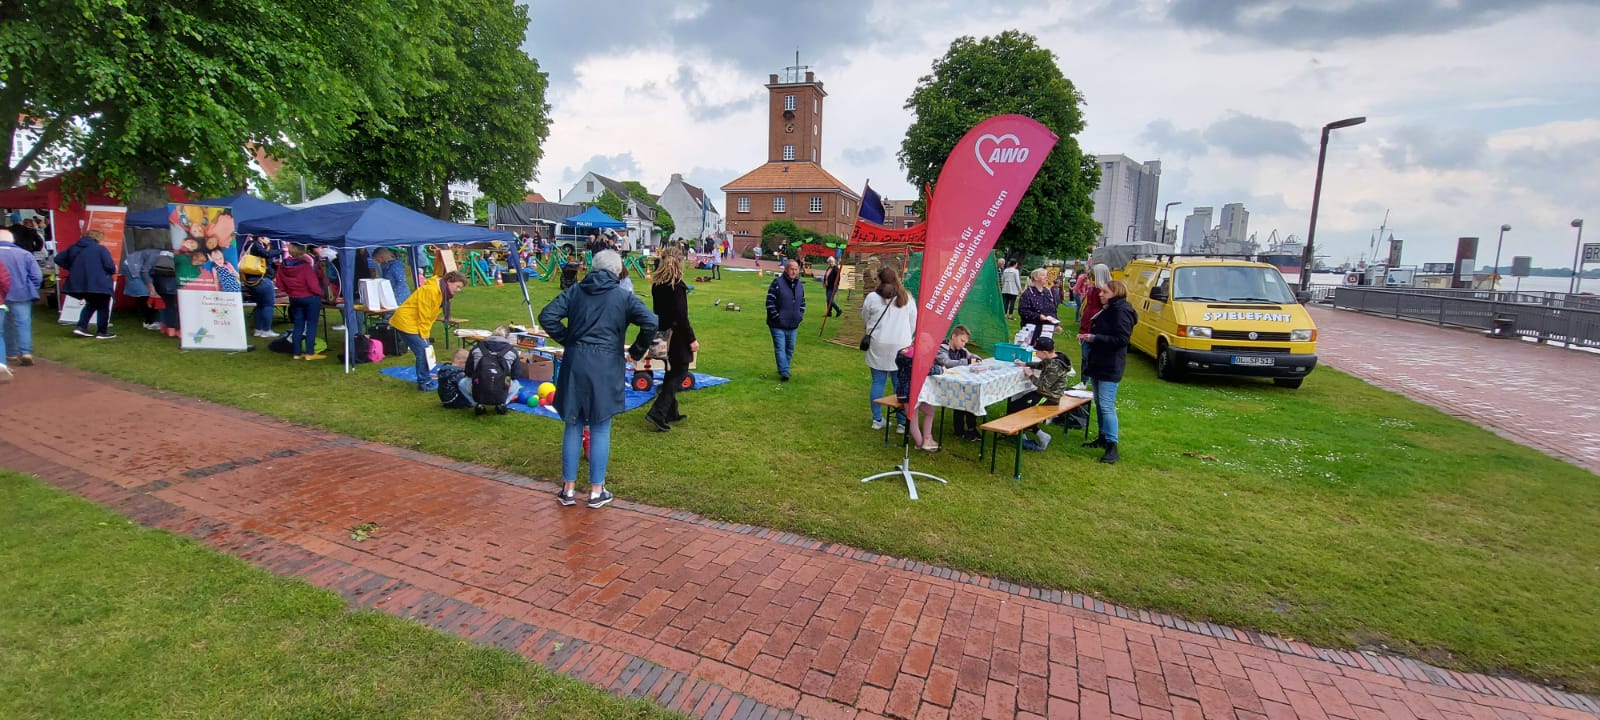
982	312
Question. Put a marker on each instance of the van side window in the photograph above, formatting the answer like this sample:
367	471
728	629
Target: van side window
1163	286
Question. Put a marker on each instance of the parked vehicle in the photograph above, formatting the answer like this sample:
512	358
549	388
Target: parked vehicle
1220	316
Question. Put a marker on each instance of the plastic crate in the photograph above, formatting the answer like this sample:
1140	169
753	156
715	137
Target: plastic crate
1007	352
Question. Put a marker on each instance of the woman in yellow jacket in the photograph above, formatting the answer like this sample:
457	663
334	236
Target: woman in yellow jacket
413	320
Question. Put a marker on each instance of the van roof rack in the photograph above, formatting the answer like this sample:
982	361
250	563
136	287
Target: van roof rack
1252	257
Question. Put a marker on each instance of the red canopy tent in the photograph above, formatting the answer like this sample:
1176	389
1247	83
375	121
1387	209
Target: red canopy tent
67	212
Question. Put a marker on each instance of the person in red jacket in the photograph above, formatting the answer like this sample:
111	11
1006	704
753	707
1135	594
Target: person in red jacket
1100	278
5	289
300	278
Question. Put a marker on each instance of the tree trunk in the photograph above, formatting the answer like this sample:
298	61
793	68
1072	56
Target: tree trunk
150	192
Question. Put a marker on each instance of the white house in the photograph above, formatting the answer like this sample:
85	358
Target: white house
639	215
693	215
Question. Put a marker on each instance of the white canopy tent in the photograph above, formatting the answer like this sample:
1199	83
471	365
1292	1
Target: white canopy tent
333	196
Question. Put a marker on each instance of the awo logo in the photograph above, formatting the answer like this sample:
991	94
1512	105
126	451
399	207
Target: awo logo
993	150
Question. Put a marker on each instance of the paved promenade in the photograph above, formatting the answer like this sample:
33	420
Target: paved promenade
1543	397
714	620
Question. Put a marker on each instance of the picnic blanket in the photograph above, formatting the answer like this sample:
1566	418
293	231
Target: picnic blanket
527	390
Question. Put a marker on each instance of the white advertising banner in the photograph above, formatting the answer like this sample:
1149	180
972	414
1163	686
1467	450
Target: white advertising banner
212	320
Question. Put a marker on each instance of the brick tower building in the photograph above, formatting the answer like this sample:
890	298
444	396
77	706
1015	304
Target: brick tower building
791	185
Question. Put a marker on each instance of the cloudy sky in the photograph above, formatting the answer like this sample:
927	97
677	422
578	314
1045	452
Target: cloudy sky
1480	112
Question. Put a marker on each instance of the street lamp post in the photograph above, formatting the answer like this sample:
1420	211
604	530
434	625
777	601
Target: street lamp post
1316	197
1164	212
1494	272
1577	251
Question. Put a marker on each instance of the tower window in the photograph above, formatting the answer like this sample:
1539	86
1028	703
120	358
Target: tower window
816	203
744	204
788	102
788	152
816	105
780	204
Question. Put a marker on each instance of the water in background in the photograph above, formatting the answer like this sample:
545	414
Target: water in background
1529	284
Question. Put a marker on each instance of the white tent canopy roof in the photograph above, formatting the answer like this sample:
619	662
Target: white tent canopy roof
333	196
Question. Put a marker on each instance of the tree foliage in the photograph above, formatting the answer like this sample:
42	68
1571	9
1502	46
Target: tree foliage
144	92
473	110
779	233
1009	73
664	221
284	187
611	204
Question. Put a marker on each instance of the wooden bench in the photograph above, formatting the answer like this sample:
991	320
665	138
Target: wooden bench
889	402
1016	423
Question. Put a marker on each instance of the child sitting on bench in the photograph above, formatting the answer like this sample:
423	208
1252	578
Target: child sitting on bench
1051	373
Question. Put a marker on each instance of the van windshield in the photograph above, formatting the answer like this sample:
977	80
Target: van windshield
1231	284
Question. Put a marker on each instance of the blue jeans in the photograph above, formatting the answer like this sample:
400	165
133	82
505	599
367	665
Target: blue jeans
304	312
1083	368
1105	407
880	378
599	451
262	294
19	328
783	347
418	345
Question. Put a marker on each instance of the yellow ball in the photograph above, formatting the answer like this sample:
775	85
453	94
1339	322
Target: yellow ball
546	388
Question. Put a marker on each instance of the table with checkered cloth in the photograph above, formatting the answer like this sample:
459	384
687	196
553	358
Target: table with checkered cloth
975	387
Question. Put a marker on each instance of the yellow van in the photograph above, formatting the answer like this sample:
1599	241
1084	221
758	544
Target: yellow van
1220	316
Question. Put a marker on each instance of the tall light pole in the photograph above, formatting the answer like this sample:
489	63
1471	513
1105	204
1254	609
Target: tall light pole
1494	272
1164	212
1316	196
1572	287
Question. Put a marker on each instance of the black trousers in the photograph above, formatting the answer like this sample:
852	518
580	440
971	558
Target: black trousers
97	306
147	314
966	423
1011	302
665	407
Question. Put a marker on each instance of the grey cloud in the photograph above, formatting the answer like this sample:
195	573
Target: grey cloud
745	34
1561	173
865	156
1451	197
1166	137
1316	22
687	81
621	166
1249	136
1434	149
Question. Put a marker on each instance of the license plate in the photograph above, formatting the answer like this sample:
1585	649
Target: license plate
1254	360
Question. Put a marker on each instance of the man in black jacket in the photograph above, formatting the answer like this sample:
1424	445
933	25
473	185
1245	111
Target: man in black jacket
786	307
830	285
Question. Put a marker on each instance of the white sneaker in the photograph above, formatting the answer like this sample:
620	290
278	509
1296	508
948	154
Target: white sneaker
1044	440
901	429
5	374
337	328
1080	386
877	424
152	326
267	334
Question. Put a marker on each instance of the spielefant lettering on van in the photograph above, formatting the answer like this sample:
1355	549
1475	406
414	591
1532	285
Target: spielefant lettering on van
1269	317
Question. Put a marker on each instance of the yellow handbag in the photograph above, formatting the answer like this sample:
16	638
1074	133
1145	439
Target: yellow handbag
252	265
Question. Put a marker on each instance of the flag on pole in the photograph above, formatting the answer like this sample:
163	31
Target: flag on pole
980	186
871	205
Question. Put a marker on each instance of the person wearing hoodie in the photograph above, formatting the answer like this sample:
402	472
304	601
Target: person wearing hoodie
590	320
1108	355
25	280
413	320
1100	277
90	278
302	282
1051	373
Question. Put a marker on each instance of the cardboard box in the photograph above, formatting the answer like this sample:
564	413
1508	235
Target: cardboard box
536	368
445	263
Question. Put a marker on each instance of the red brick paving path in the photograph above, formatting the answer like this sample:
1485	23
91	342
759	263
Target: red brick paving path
715	620
1540	396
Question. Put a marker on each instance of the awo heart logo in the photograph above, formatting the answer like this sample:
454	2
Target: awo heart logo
1006	148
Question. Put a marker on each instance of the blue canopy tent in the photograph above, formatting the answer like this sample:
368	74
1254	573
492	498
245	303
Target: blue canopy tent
367	224
594	218
245	207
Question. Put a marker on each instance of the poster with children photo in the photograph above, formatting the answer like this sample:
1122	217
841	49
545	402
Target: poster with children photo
206	256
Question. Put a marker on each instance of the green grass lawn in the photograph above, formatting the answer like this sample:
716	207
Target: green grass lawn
105	619
1337	514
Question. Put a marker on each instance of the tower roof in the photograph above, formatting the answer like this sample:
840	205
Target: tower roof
798	175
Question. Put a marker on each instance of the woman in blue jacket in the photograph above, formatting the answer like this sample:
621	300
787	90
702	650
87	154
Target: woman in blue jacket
591	321
90	273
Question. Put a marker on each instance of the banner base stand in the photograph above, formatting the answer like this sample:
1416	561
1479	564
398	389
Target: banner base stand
903	470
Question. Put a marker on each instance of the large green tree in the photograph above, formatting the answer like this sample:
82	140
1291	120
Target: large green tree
779	233
475	112
611	204
1009	73
145	92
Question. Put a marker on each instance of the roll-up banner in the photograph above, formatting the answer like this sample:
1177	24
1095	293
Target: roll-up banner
206	258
